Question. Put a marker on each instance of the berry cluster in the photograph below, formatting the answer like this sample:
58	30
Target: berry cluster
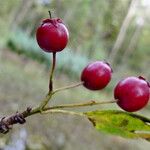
131	93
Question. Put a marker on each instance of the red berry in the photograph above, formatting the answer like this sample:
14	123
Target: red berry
132	93
96	75
52	35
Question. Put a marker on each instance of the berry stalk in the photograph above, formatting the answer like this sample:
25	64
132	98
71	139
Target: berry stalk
50	15
90	103
68	87
63	112
52	72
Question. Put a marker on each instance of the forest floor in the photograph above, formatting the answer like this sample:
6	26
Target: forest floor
24	83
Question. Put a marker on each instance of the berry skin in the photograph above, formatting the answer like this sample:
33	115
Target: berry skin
132	93
52	35
96	75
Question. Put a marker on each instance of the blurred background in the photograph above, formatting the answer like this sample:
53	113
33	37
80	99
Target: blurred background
117	31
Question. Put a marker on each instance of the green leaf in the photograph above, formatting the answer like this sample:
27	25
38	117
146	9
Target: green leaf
120	123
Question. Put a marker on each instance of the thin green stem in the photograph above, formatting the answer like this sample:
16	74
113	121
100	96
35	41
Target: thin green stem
75	105
50	93
90	103
63	111
68	87
50	15
52	72
45	101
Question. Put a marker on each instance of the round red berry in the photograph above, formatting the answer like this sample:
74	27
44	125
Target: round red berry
96	75
132	93
52	35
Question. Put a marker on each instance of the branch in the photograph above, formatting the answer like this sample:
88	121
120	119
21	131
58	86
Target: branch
19	118
7	122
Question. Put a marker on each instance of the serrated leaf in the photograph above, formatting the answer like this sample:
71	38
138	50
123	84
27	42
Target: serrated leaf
120	123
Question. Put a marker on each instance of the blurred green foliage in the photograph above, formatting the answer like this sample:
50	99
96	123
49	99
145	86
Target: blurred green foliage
93	25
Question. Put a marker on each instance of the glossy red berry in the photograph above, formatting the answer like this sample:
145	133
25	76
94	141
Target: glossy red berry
96	75
52	35
132	93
